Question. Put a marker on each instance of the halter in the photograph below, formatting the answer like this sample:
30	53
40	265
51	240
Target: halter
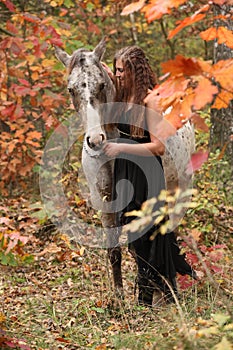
90	153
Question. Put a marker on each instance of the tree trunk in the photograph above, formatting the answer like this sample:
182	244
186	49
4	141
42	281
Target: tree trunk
222	120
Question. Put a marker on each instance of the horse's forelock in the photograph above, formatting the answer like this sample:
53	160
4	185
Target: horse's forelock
75	59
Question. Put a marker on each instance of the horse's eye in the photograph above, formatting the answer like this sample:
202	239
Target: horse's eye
71	91
101	86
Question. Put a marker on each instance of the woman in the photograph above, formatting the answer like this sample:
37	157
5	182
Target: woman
138	174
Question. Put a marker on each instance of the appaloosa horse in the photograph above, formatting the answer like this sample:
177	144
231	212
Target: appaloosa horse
90	88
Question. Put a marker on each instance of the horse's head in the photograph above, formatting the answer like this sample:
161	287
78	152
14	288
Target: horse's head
89	86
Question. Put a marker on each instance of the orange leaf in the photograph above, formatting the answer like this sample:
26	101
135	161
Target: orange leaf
34	135
222	100
182	65
220	156
204	93
170	91
174	119
221	2
196	17
225	36
222	71
134	6
196	235
157	8
209	34
181	111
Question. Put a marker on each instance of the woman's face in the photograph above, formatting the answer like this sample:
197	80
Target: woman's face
120	72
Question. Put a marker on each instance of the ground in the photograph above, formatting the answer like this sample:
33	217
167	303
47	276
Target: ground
59	295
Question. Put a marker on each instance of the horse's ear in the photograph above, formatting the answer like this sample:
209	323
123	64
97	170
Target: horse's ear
100	49
62	56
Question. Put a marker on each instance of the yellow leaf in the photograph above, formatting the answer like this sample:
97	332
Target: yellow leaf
82	250
53	4
65	238
223	345
30	59
47	63
208	331
2	318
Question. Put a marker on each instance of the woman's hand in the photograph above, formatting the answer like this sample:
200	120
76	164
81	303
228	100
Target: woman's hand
112	149
108	70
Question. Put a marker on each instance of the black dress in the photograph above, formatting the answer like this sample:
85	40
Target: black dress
136	179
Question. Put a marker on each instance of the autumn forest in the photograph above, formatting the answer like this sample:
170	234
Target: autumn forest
56	292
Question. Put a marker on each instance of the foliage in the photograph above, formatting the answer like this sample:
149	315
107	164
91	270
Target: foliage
14	233
190	83
65	300
32	101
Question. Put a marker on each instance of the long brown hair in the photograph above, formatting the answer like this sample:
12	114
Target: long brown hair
138	78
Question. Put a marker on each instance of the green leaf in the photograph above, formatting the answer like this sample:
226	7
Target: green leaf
98	309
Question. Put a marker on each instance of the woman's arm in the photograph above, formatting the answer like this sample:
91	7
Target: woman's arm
155	147
141	149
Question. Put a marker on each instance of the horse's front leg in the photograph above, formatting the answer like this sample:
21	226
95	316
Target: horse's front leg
104	187
114	250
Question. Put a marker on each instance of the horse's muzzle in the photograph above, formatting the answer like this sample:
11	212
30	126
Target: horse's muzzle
95	142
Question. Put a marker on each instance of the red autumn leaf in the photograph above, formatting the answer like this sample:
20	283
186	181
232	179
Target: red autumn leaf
6	43
216	269
184	282
11	28
199	123
134	6
31	18
19	112
9	5
204	93
192	258
182	65
93	28
14	72
62	340
216	255
23	90
197	159
157	8
55	41
196	17
24	82
8	111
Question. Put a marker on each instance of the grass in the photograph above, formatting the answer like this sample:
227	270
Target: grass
65	305
68	303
